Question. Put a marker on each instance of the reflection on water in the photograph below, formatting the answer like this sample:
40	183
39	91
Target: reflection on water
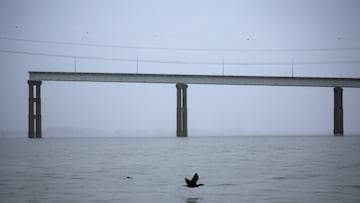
192	200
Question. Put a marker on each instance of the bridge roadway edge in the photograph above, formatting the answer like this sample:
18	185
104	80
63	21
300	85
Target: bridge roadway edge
196	79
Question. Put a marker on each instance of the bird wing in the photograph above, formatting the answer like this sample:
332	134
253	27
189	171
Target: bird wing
195	178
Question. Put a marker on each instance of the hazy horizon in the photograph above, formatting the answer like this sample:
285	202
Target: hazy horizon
267	38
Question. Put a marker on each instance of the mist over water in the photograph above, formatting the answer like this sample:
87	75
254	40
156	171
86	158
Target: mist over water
232	38
233	169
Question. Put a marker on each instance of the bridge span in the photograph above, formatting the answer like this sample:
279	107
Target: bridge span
181	81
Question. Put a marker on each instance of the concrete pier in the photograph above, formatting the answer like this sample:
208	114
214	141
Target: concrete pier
31	110
181	111
338	112
34	119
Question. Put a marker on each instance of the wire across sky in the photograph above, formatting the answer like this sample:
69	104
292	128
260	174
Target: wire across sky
181	62
330	49
142	60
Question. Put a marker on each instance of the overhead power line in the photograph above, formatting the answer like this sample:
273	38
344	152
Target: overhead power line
137	60
331	49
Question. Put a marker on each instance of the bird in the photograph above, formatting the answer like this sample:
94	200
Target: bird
192	182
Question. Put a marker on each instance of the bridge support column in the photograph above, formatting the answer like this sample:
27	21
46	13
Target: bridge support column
338	112
34	130
181	111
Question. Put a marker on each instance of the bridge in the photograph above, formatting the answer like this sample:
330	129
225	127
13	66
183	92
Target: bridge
181	81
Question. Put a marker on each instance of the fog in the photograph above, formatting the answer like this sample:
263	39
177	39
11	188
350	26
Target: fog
266	38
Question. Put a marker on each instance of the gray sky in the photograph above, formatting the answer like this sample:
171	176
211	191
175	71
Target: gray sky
321	37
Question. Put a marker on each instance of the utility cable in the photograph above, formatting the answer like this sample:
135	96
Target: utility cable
182	62
333	49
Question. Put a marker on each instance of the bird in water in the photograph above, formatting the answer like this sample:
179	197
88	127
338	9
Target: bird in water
192	182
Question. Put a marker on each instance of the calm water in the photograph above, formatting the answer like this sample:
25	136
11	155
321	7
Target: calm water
233	169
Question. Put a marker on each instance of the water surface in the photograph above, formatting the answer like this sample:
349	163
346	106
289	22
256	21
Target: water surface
233	169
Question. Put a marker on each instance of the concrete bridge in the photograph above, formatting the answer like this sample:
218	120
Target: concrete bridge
181	81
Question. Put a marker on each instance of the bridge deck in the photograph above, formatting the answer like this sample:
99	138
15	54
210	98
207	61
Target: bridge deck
196	79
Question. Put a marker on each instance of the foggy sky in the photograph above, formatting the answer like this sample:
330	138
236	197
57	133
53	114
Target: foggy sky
150	109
